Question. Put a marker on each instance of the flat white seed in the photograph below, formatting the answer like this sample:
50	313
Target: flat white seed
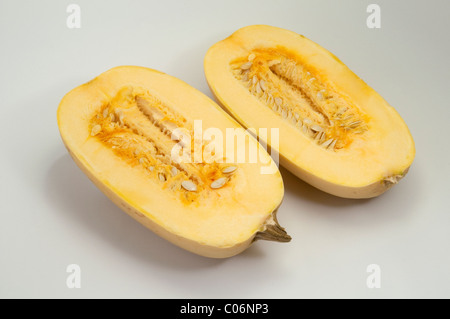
299	123
112	116
284	114
290	116
311	80
273	62
294	120
318	136
254	79
262	83
105	113
322	138
161	177
229	169
317	128
246	65
348	117
174	171
245	77
151	168
307	121
354	123
142	160
189	186
96	129
305	129
296	115
218	183
278	101
327	143
333	144
251	57
258	88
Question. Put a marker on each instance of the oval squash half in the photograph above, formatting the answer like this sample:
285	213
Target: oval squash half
335	132
122	128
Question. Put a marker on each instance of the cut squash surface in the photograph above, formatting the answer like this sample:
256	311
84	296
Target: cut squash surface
335	132
124	129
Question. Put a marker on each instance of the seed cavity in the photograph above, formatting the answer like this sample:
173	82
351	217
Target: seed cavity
142	130
301	96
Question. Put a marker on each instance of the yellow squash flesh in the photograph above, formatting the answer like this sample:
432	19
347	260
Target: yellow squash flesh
120	129
335	132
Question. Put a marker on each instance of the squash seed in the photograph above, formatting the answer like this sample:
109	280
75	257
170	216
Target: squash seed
189	186
246	65
96	129
278	101
229	169
218	183
262	83
317	128
327	143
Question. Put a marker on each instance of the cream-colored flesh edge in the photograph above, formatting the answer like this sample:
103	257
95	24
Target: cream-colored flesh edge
185	243
368	191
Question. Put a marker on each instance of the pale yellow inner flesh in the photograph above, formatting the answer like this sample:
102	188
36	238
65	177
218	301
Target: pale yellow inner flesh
301	96
142	131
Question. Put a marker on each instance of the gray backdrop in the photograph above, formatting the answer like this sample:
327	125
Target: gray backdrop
53	216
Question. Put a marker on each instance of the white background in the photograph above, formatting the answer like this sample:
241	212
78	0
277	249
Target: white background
53	216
